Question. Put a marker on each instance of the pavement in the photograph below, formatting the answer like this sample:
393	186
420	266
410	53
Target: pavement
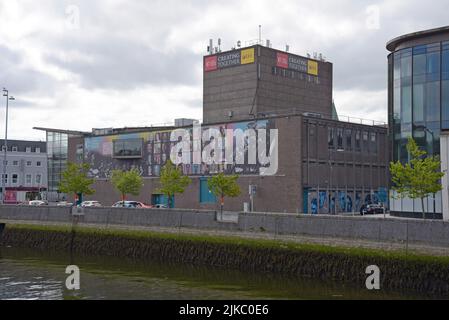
415	248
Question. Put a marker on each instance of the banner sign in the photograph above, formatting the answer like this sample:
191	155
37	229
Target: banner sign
210	63
286	61
230	59
247	56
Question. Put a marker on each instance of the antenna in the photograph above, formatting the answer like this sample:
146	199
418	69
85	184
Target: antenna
211	46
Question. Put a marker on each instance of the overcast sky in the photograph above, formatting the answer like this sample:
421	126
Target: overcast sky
94	64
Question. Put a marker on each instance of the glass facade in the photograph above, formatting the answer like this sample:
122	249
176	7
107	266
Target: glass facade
419	98
57	150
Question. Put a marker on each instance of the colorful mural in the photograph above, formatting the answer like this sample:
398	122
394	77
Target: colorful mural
340	201
156	151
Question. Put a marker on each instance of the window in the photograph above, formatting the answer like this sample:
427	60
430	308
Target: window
5	178
29	163
373	142
348	139
14	149
330	137
28	149
433	101
15	163
129	148
15	178
38	178
357	140
38	164
365	141
340	138
38	150
5	162
28	179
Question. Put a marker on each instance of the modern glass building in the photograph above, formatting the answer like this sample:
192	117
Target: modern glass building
418	99
57	156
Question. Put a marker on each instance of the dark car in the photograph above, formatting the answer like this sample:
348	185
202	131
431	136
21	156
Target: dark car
374	209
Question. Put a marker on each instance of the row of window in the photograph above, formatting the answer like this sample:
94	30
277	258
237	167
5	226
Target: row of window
28	179
349	140
15	163
295	75
27	149
421	84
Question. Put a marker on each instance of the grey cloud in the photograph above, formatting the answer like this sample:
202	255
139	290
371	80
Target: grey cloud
118	63
20	79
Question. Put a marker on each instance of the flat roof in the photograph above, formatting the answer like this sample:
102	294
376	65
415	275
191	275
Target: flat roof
61	131
268	48
392	44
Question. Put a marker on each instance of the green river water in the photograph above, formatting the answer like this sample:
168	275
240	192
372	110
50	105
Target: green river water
28	274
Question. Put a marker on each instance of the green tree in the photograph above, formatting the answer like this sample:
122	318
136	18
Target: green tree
223	186
172	181
127	182
76	181
418	178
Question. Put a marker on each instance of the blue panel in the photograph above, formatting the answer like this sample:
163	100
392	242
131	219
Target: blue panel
305	200
205	195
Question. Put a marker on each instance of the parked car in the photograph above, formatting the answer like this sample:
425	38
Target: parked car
374	209
160	206
91	203
37	203
64	204
130	204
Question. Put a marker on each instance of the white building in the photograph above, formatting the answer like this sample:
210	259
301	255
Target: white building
444	144
26	171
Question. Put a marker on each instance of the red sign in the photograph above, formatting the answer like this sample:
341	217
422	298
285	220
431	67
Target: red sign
11	196
282	60
210	63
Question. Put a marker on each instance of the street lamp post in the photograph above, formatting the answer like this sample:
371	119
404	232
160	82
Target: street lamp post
5	147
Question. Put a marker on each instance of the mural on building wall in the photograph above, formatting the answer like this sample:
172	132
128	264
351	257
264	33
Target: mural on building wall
156	148
340	201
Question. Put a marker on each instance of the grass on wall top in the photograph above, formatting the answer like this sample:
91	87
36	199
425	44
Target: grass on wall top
237	241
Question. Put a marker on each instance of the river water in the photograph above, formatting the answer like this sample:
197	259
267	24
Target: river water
27	274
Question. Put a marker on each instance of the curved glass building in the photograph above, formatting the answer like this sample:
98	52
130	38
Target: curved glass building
418	98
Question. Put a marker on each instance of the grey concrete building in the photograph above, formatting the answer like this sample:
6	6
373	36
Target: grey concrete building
26	170
259	81
324	166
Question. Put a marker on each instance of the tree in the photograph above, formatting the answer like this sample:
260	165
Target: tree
172	181
127	182
76	181
224	186
418	178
